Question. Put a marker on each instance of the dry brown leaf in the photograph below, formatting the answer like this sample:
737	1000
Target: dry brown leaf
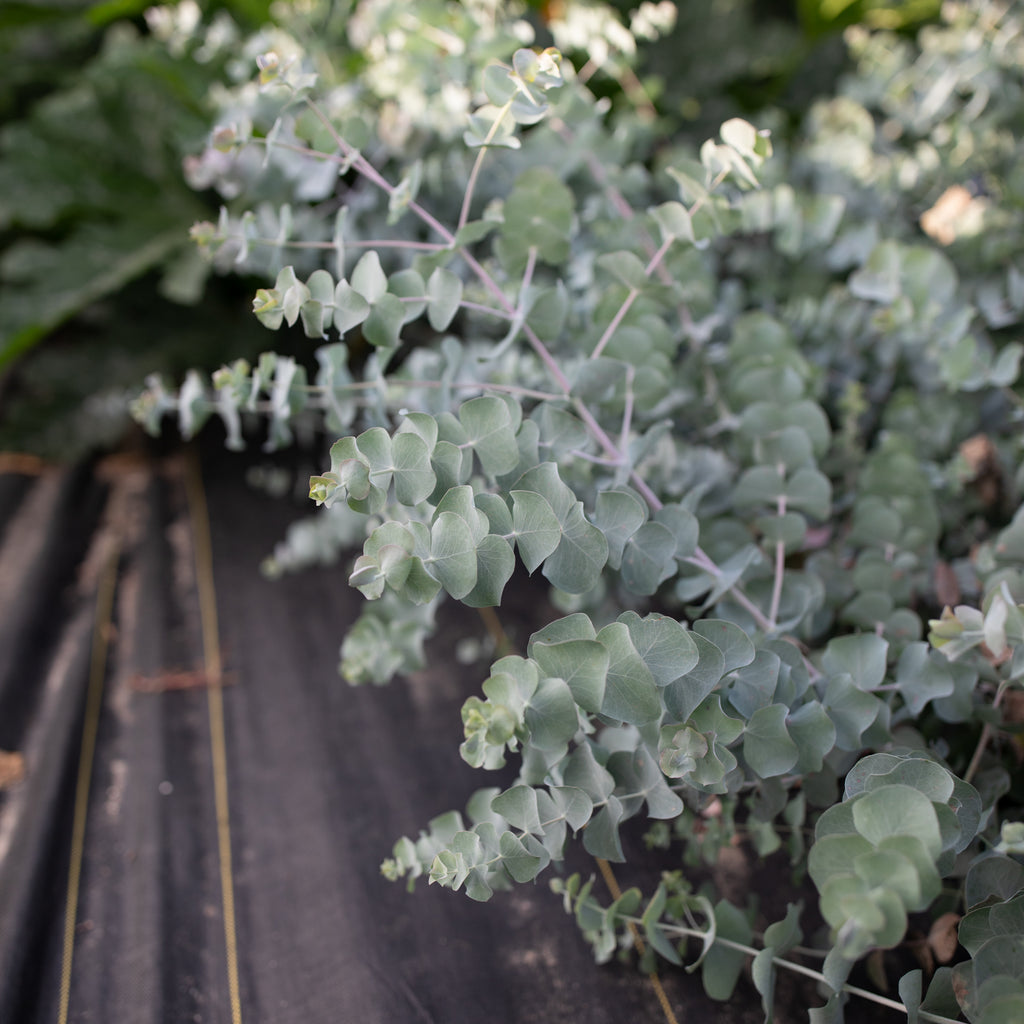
182	680
923	955
875	965
1013	706
947	587
19	462
983	463
12	768
979	452
955	212
942	938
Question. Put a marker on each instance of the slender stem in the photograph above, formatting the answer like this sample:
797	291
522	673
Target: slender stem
467	199
368	171
479	307
656	259
630	299
446	42
587	72
463	304
702	560
613	325
789	965
987	732
625	211
635	91
397	382
370	243
531	264
631	86
599	460
627	412
531	336
780	569
755	613
387	243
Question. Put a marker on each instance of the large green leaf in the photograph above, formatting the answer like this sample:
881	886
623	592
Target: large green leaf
721	967
897	810
862	657
382	328
814	734
583	664
639	778
444	290
368	277
852	710
453	554
683	695
495	563
923	674
665	645
538	216
551	715
736	647
575	565
630	691
522	865
414	478
601	836
618	514
648	558
767	746
535	527
490	433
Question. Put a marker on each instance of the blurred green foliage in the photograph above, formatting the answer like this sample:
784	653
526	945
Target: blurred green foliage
97	115
818	17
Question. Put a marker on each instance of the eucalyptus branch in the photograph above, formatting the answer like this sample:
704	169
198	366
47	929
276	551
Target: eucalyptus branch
691	707
357	386
535	343
461	385
368	171
684	931
615	455
538	346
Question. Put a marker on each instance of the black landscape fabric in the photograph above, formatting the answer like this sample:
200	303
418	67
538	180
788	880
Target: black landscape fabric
321	779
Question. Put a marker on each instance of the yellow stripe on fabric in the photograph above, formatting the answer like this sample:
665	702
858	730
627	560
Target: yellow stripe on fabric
215	703
613	887
90	728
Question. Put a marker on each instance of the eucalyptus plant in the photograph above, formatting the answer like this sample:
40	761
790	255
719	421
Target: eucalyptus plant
747	419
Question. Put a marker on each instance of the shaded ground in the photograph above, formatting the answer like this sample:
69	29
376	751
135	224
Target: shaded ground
321	779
